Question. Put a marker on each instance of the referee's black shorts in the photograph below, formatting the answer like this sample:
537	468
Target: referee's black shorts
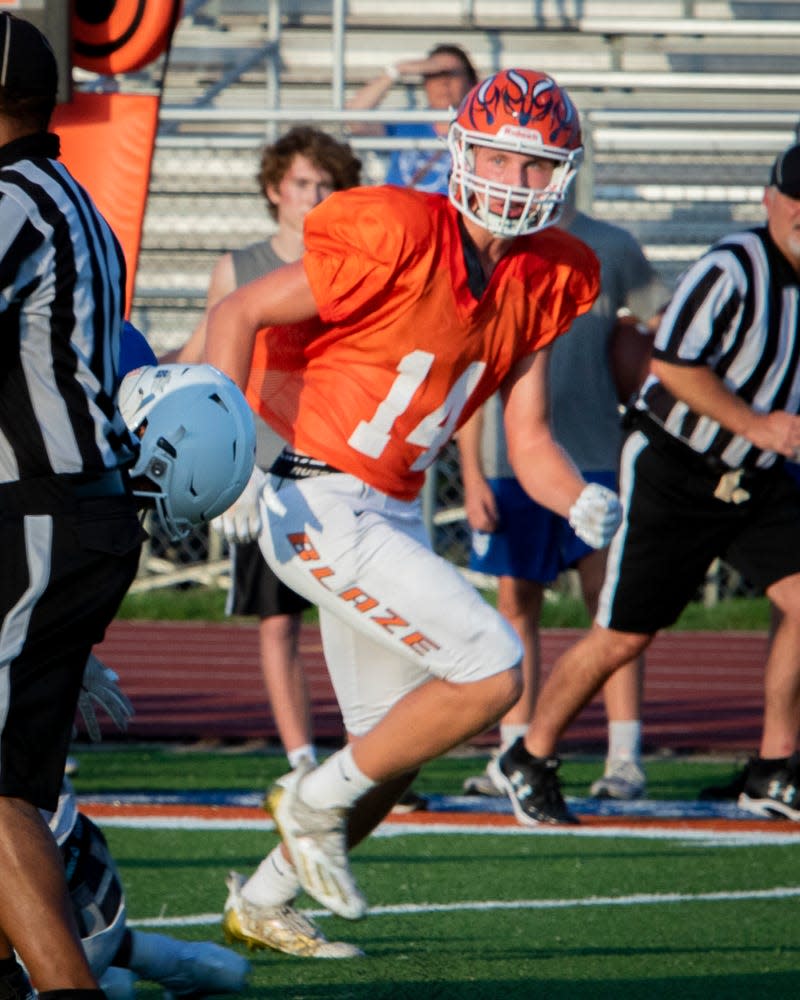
674	527
256	590
65	573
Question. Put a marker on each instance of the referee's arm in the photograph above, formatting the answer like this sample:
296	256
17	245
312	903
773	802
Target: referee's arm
705	393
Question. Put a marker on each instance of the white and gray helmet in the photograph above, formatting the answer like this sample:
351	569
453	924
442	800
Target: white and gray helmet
196	441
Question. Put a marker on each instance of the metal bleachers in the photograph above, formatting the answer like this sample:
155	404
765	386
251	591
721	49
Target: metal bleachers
685	103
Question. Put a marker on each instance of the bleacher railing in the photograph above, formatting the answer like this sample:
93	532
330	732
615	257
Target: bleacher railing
197	130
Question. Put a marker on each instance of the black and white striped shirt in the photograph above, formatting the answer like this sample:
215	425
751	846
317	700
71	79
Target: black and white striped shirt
62	287
737	310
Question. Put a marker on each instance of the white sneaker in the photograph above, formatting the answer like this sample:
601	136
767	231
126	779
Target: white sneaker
187	967
623	779
119	984
483	784
282	928
317	842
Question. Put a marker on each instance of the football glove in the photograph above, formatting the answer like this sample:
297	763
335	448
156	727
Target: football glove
596	515
241	522
100	687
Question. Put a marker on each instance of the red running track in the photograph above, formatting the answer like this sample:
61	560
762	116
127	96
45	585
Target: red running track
192	681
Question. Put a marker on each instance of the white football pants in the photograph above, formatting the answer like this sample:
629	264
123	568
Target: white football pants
392	613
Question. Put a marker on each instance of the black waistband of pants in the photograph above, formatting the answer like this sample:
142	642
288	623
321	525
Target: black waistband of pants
290	465
700	463
54	494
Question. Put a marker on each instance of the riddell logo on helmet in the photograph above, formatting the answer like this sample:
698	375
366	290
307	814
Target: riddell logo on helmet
521	134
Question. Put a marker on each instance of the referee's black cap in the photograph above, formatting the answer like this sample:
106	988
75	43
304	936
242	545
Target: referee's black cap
785	175
27	63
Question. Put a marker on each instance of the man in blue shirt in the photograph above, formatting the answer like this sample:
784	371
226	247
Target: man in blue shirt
447	74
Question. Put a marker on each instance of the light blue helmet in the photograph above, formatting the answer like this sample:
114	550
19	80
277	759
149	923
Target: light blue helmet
197	441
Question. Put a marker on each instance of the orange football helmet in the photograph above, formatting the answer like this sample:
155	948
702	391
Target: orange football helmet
520	111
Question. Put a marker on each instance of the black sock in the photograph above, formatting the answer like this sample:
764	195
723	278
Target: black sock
766	765
73	995
518	752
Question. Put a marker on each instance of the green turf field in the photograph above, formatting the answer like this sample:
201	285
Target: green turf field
113	767
559	611
491	913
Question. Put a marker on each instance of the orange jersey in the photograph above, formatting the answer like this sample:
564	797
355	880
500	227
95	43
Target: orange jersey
402	352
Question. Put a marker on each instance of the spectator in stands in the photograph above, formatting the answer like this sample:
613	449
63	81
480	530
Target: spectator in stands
296	173
447	74
527	546
407	311
702	477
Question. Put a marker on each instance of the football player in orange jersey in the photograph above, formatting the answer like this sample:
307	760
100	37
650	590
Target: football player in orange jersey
406	312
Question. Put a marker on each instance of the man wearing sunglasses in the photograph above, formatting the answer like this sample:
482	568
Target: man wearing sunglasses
446	74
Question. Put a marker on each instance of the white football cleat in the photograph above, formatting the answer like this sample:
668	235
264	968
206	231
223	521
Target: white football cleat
623	780
187	967
281	928
317	843
483	784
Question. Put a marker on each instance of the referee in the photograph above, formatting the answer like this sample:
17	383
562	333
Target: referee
69	531
702	477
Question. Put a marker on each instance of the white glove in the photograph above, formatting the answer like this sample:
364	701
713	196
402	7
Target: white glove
100	686
241	522
596	515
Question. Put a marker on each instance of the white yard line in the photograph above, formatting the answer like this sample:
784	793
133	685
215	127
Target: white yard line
482	906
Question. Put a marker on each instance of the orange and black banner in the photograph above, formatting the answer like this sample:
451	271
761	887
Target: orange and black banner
108	138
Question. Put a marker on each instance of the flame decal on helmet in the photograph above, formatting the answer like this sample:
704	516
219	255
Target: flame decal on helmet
511	92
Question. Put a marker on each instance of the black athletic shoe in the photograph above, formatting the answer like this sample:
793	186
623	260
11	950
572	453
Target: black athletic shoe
772	789
532	785
728	792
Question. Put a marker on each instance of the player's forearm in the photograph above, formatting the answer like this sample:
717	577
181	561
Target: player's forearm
280	298
547	473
